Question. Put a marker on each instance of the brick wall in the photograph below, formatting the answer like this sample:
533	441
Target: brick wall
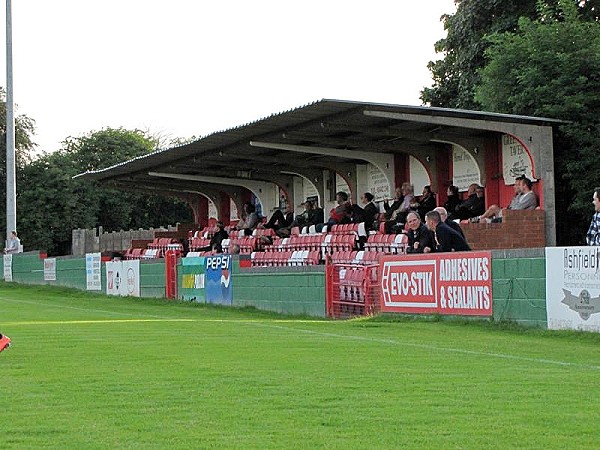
519	229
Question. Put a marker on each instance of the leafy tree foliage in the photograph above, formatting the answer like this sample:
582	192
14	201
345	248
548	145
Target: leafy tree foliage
53	203
551	68
24	147
456	76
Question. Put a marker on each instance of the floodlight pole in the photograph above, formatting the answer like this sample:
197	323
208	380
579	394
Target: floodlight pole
11	194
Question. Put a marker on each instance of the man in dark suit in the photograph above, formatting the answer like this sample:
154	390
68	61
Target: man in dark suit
420	239
444	216
368	213
446	239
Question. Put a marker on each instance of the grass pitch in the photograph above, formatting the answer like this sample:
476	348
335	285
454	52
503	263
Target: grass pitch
88	371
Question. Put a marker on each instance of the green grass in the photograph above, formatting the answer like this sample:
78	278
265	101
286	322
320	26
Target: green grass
85	373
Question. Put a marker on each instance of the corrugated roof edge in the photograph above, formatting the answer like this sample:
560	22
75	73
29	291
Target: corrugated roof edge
416	109
156	152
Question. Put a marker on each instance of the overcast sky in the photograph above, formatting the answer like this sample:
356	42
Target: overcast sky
180	68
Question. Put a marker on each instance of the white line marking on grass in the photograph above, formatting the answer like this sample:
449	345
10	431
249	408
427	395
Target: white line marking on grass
77	322
431	347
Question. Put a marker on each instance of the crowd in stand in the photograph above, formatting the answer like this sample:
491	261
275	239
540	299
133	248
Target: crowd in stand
425	226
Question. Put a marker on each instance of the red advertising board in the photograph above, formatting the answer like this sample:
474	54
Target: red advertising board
444	283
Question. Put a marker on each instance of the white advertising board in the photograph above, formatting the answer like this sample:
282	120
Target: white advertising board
123	278
378	184
8	267
516	160
573	288
419	177
93	275
50	269
464	169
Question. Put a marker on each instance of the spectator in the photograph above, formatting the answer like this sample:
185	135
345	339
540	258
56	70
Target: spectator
302	219
524	199
396	224
234	249
446	239
452	202
217	239
316	215
593	234
474	205
13	244
342	212
249	219
398	199
280	220
420	239
427	202
310	216
368	213
444	216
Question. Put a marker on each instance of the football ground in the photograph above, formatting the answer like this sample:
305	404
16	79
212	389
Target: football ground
89	371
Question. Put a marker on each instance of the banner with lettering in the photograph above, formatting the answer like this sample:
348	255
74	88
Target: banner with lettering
93	272
516	160
573	288
50	269
192	279
8	267
217	280
437	283
123	278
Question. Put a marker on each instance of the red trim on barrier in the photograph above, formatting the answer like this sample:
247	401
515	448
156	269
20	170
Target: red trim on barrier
171	273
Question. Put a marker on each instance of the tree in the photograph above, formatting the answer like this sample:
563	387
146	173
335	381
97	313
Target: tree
53	203
551	68
24	147
456	76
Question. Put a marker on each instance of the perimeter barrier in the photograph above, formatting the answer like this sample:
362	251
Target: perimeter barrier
352	290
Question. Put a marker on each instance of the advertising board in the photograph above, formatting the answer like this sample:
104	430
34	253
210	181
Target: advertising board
123	278
93	264
444	283
50	269
217	280
573	288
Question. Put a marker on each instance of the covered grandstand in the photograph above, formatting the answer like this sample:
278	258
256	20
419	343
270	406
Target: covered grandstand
330	145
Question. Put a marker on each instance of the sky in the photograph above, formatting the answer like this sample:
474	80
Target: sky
183	68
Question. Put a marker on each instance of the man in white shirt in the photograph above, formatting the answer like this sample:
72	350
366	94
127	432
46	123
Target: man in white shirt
13	244
524	198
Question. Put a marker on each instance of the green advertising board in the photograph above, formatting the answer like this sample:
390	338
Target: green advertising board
193	279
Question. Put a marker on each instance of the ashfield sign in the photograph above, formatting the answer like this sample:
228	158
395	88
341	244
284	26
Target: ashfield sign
573	288
445	283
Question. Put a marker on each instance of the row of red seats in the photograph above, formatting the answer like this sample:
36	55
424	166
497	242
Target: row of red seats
387	243
356	257
162	243
286	258
143	253
358	229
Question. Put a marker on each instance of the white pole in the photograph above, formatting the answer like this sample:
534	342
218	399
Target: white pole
11	194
